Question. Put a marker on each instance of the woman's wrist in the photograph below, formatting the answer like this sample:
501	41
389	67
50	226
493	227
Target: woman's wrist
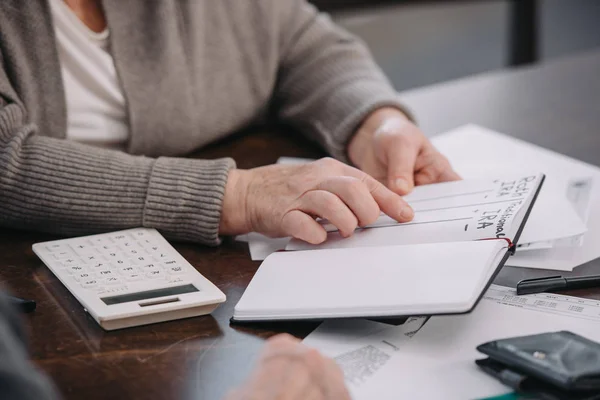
234	220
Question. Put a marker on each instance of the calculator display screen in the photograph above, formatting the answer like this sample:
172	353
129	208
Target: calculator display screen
149	294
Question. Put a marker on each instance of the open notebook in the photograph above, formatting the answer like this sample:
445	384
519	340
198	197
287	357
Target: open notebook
440	263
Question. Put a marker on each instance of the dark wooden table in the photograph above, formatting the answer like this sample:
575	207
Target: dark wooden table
557	106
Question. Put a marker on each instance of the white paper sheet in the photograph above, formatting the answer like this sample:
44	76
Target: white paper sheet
579	191
361	347
548	244
438	362
338	337
474	151
261	246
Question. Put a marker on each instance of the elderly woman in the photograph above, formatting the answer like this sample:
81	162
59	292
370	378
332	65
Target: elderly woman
100	99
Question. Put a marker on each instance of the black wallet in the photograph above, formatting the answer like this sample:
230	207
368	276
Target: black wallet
553	366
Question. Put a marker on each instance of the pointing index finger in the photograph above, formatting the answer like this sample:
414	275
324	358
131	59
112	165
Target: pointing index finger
389	202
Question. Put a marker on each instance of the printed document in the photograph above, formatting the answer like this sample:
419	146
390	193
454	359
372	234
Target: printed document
383	362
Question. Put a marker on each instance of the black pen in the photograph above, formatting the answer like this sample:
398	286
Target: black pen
26	306
557	283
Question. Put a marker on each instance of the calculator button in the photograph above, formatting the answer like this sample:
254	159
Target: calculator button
112	280
152	248
156	274
134	251
76	269
127	270
68	262
56	247
91	258
83	248
149	267
120	237
120	262
101	242
62	255
134	277
86	276
105	273
98	266
141	234
90	283
147	241
113	255
108	248
140	260
127	244
176	270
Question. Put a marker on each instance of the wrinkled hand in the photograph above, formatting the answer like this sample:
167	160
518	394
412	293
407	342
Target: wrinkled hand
394	151
283	200
288	370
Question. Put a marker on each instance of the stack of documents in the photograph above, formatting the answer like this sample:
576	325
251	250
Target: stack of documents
436	359
563	226
565	209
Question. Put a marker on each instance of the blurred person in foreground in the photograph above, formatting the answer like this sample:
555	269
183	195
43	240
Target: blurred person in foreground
286	369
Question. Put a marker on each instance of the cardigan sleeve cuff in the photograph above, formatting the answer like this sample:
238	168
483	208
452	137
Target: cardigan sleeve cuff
185	198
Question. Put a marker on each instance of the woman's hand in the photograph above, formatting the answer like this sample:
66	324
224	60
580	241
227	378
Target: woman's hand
288	370
394	151
283	200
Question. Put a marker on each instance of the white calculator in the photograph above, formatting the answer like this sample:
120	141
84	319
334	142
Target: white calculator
129	278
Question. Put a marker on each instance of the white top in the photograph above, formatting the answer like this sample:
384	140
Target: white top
96	107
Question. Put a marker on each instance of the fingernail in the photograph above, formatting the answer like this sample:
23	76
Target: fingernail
402	185
407	213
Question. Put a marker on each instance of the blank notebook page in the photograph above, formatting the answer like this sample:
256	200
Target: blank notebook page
372	281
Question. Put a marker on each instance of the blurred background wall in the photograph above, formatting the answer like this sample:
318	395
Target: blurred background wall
424	42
